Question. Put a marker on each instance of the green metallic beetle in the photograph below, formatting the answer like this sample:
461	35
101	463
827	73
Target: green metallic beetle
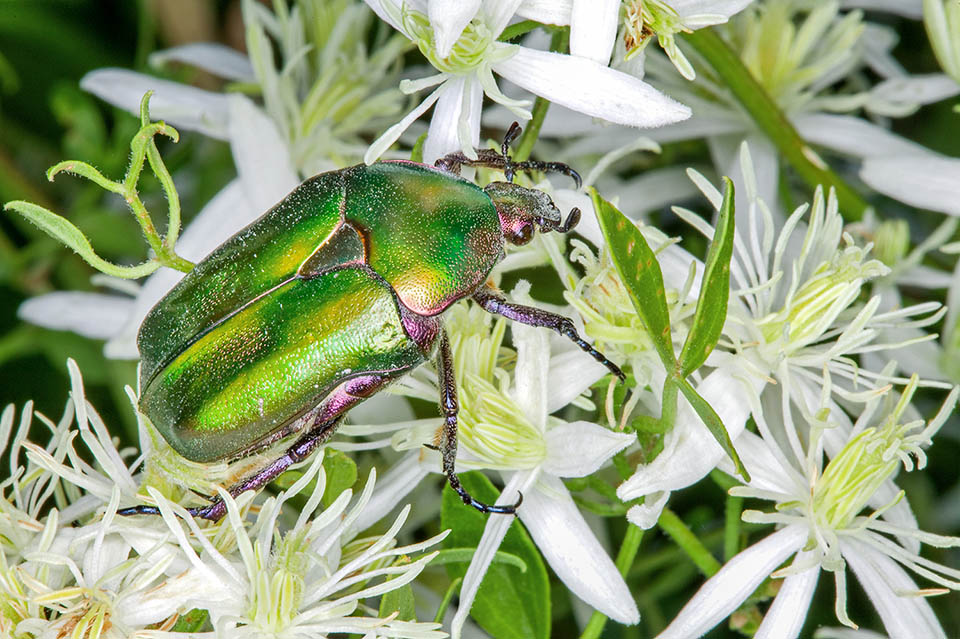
335	292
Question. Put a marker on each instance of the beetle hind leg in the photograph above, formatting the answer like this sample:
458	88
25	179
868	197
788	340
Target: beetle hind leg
448	439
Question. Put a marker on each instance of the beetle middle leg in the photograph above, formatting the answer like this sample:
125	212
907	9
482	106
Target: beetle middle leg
448	439
493	303
321	427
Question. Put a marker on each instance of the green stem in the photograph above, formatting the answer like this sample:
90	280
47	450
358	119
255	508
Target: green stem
671	524
628	552
558	42
772	120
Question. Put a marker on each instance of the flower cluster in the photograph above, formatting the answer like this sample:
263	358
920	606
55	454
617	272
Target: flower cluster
778	337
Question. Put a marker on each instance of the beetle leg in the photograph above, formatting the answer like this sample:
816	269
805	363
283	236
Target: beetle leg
324	423
448	440
493	303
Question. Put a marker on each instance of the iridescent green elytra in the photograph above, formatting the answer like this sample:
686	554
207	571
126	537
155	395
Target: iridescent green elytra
334	293
264	327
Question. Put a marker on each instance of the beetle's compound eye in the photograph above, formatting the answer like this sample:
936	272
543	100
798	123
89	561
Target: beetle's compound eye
521	210
519	235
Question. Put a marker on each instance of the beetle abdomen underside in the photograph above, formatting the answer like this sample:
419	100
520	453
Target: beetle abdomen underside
275	359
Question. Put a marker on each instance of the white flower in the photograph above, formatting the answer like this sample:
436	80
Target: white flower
926	180
509	427
307	581
818	509
466	67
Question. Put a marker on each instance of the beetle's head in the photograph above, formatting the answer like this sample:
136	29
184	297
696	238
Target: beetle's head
525	211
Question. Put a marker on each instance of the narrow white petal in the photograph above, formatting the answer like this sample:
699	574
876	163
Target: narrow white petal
926	181
853	136
904	617
573	551
448	19
690	8
556	12
92	315
690	451
593	29
906	8
785	617
493	534
392	489
646	515
218	59
261	155
388	11
184	107
533	357
385	141
586	86
498	14
570	373
580	448
916	89
736	581
442	135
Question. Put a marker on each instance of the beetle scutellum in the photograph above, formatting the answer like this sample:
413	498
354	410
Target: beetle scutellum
335	292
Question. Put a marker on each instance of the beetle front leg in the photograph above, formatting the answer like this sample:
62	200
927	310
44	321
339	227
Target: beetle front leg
448	439
493	303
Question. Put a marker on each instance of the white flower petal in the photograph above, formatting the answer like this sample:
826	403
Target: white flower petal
853	136
442	135
593	29
916	89
92	315
448	19
493	533
573	552
586	86
646	515
556	12
262	158
386	140
690	8
926	181
690	451
570	373
736	581
580	448
218	59
904	617
785	617
906	8
498	14
184	107
533	357
386	10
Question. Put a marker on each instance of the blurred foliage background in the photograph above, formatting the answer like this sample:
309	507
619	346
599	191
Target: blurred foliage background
46	46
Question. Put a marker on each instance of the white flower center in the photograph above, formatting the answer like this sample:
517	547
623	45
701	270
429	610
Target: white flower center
468	53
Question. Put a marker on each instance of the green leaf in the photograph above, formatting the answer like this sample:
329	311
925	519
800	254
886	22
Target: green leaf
341	474
67	233
193	620
416	155
640	273
714	290
464	555
714	424
399	600
510	604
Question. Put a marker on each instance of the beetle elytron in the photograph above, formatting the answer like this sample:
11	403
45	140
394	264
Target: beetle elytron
335	292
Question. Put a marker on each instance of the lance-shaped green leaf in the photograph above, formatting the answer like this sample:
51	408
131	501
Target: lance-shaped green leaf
714	290
61	229
714	424
465	555
399	600
640	273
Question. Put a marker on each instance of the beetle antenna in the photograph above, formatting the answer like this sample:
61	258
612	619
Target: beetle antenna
508	166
